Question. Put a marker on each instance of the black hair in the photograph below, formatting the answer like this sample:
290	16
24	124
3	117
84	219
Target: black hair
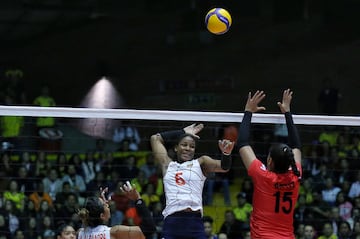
185	135
283	157
90	214
208	219
60	228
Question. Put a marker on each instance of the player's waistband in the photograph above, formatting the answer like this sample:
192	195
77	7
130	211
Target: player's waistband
188	212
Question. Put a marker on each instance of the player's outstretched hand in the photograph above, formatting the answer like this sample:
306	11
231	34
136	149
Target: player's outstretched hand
226	146
194	129
130	191
103	191
286	100
253	101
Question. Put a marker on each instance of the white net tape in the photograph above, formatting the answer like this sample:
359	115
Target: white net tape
68	112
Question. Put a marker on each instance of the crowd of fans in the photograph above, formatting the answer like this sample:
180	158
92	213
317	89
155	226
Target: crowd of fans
38	194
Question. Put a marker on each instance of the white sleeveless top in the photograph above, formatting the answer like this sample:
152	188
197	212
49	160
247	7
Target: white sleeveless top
99	232
183	187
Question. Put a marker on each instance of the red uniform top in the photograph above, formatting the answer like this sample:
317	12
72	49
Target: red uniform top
274	200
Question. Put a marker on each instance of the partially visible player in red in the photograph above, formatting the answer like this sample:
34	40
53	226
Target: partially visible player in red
276	184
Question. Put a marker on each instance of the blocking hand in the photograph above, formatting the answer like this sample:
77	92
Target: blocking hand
194	129
226	146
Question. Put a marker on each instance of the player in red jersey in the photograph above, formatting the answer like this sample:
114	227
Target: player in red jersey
276	184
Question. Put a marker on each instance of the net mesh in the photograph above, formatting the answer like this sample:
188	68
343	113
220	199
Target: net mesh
91	143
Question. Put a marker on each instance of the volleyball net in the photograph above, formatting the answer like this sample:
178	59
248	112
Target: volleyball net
327	140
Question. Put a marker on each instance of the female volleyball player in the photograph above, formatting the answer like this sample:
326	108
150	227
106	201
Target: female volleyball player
276	184
184	179
66	231
96	213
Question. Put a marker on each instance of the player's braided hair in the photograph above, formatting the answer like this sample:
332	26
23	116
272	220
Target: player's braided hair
90	214
283	157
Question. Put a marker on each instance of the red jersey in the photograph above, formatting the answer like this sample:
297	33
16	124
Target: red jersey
274	201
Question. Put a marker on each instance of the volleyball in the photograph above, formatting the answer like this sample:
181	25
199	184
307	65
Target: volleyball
218	21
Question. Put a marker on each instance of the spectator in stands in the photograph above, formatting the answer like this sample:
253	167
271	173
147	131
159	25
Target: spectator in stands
344	205
127	137
4	225
158	217
306	189
52	183
27	163
10	213
342	172
94	185
13	84
29	210
117	217
321	177
208	227
354	150
88	168
222	235
76	181
232	227
61	162
344	230
215	182
128	169
303	213
327	231
68	211
43	165
243	210
14	194
356	230
247	235
149	168
355	187
19	234
247	187
31	228
45	211
320	210
49	234
221	181
11	127
309	232
299	229
132	218
335	218
62	195
46	226
140	181
40	195
44	100
25	183
328	140
149	195
122	202
6	169
330	191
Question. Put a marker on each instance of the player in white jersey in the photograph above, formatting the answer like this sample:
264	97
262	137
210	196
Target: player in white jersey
184	179
96	214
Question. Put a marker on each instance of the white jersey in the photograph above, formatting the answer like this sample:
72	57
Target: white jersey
183	187
99	232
